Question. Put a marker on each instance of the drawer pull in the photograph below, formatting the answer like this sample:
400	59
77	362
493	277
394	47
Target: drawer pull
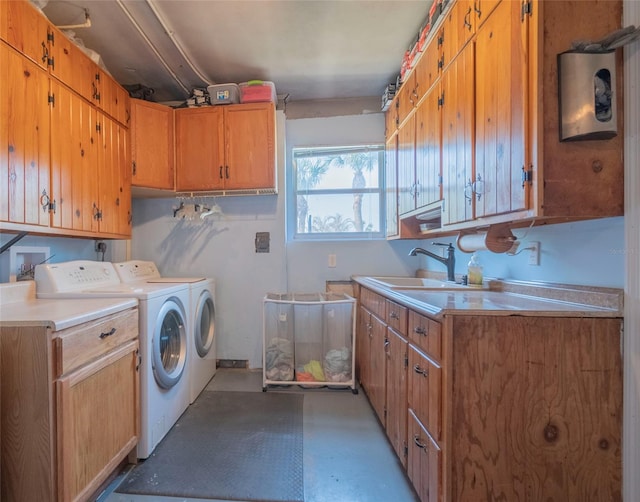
108	333
416	440
420	371
419	330
393	315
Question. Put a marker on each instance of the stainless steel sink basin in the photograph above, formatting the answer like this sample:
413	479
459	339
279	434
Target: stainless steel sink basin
416	283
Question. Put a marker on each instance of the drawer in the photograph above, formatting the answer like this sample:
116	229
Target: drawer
424	461
426	334
425	390
397	317
374	302
77	346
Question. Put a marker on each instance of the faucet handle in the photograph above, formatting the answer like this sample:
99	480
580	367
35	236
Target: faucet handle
442	244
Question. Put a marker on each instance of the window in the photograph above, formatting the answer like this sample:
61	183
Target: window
337	193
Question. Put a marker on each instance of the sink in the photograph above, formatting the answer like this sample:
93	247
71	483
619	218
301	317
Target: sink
416	283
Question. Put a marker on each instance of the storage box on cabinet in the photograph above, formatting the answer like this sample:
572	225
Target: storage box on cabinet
309	338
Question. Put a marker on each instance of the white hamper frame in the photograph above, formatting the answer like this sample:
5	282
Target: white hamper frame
312	328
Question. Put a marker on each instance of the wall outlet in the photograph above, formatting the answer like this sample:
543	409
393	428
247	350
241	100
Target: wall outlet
534	253
101	247
332	261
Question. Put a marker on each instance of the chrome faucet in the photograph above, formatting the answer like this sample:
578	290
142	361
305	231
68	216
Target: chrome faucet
449	261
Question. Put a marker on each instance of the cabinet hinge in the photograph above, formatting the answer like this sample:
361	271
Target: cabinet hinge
441	100
527	9
440	180
98	77
98	127
406	360
52	207
51	99
441	63
405	449
527	175
51	62
384	412
51	37
134	167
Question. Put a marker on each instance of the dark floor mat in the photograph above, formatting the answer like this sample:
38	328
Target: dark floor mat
230	446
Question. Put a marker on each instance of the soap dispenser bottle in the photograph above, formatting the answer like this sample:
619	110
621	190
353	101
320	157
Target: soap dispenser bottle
474	271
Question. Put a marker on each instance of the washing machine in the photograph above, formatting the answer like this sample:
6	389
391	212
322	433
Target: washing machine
201	357
163	327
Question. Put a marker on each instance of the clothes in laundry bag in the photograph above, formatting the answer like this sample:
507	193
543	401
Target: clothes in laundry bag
315	369
279	360
337	365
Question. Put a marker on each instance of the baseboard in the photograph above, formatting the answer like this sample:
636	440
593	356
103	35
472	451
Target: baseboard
232	363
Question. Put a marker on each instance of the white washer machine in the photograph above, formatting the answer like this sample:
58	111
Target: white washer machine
201	358
163	326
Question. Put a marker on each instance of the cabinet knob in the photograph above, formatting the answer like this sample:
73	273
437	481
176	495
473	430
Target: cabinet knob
419	330
394	315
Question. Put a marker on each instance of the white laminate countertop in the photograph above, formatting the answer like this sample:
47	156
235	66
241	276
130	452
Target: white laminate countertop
20	307
468	301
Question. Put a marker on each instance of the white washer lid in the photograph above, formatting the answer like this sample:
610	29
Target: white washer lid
172	280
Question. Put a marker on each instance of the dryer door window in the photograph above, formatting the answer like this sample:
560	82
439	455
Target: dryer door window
204	324
169	345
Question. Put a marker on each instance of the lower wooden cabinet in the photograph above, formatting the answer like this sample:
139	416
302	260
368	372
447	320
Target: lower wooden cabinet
70	407
499	407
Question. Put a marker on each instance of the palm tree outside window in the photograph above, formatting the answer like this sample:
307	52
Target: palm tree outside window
338	192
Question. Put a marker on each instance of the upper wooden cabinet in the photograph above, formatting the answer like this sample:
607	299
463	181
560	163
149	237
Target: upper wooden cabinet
502	160
229	147
152	145
65	154
24	140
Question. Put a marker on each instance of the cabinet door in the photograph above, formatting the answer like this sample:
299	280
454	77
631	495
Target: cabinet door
424	465
377	368
199	149
4	9
406	98
113	180
500	113
152	142
24	140
407	166
114	100
457	138
391	186
97	416
74	173
428	149
459	27
428	68
424	391
396	393
250	146
363	344
27	30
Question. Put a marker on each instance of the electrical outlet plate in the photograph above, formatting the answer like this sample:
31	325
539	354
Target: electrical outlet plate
332	261
534	253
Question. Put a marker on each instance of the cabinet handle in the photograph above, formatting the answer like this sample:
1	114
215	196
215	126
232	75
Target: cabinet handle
45	53
467	24
108	333
468	191
478	187
135	167
393	315
226	171
419	330
221	172
417	369
416	440
387	342
44	201
476	7
138	360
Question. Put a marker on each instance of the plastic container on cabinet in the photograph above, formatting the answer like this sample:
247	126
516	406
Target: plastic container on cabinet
224	94
258	91
309	339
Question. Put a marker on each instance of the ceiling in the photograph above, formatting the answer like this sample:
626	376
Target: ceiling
310	49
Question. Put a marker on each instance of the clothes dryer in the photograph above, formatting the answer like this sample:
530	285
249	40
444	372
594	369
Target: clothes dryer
201	360
163	327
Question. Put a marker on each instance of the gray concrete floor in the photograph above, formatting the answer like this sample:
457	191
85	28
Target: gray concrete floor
347	457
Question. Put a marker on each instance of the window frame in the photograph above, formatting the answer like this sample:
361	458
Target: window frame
293	192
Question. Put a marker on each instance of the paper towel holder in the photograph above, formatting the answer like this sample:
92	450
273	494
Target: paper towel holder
497	239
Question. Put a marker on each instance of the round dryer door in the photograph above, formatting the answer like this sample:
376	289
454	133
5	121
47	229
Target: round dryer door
204	324
169	345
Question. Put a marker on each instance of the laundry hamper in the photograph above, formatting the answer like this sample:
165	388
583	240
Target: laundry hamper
309	340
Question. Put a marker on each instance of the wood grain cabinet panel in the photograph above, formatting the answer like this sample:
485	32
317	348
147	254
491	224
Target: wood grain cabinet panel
396	392
152	145
425	334
425	391
24	140
424	464
397	317
391	187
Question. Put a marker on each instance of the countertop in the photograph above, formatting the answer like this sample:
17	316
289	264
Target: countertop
506	298
20	307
